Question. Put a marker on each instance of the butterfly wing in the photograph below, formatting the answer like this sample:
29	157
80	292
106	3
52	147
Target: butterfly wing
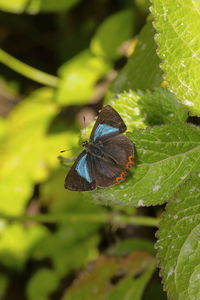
80	176
105	171
120	148
118	157
108	124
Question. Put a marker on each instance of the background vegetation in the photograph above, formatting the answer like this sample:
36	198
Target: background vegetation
60	61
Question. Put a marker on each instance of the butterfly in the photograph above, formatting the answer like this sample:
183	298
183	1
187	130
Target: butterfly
107	156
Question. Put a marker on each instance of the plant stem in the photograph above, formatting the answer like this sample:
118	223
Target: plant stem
27	70
84	218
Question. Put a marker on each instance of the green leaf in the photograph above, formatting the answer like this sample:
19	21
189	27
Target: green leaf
178	245
178	38
143	5
153	108
16	6
161	107
30	148
35	6
142	70
129	245
145	108
127	105
16	243
106	270
3	128
42	284
165	156
78	78
109	37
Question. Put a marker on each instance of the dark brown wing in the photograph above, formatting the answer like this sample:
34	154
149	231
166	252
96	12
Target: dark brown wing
74	181
110	117
105	172
120	148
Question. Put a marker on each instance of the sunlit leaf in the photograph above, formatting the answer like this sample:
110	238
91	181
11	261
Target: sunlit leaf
142	70
29	151
16	242
35	6
179	243
178	39
13	6
78	78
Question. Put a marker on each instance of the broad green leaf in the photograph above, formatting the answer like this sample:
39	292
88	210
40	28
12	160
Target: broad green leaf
177	23
111	34
16	189
165	156
142	70
16	243
113	278
127	105
42	284
29	151
161	107
16	6
179	243
78	78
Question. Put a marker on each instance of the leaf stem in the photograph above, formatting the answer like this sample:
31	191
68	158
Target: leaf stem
86	218
27	71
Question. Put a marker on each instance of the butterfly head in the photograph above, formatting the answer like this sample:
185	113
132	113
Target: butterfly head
85	144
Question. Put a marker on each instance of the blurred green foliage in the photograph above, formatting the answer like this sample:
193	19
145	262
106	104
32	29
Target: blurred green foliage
60	62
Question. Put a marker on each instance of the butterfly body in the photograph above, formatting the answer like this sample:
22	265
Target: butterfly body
106	157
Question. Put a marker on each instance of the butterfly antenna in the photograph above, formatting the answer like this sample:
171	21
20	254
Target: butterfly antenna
84	128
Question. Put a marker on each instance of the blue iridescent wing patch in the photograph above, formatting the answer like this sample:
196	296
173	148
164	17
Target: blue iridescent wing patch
108	124
80	176
83	169
104	129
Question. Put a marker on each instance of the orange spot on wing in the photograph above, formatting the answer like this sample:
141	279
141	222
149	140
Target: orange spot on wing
121	176
130	162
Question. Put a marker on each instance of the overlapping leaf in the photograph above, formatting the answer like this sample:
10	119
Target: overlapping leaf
165	156
113	278
109	37
29	151
142	70
79	76
177	23
179	243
